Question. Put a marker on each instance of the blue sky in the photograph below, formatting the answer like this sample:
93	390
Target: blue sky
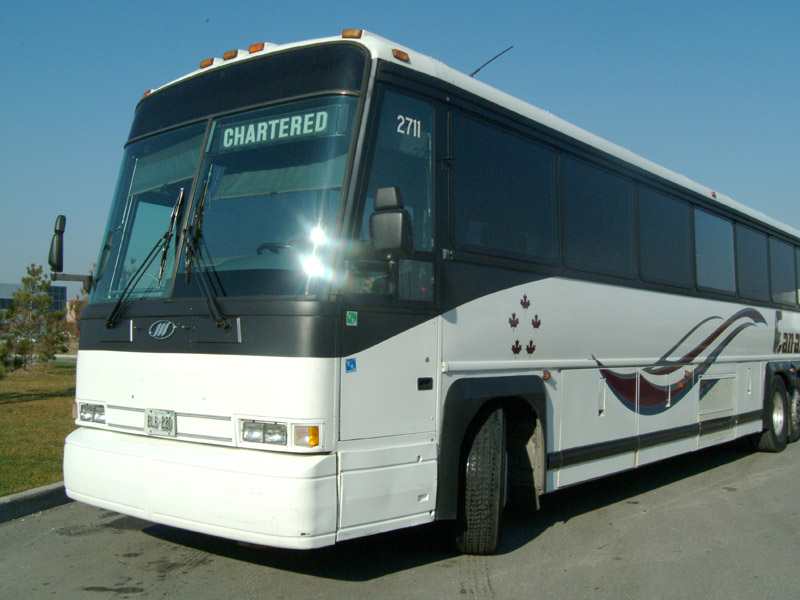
710	89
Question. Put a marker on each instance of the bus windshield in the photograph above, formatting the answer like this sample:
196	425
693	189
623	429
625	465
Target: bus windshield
265	203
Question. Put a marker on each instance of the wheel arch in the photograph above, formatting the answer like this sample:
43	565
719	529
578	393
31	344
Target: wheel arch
467	401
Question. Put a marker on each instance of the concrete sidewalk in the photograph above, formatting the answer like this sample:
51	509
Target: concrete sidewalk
31	501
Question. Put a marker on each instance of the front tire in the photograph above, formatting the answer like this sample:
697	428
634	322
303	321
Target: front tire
776	407
484	487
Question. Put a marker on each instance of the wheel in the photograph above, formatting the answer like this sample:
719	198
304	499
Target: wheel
776	407
794	417
484	487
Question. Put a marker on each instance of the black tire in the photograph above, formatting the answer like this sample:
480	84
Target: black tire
484	487
776	409
794	416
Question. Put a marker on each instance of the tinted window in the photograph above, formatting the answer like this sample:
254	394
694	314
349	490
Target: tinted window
403	159
665	239
598	219
503	191
713	242
252	82
751	264
782	272
797	268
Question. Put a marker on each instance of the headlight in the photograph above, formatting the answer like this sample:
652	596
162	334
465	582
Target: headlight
92	413
258	432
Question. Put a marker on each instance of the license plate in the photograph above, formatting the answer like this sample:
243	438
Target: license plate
160	422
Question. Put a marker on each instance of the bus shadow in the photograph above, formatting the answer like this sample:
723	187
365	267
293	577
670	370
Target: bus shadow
521	526
376	556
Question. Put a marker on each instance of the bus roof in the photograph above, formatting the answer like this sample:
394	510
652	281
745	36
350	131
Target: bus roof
382	48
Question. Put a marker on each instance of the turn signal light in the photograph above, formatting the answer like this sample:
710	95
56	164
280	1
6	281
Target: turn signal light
306	436
400	55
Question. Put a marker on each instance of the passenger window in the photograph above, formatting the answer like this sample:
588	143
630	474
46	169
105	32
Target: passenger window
503	191
782	272
665	239
751	264
713	242
598	219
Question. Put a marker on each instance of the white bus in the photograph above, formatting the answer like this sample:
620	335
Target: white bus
345	289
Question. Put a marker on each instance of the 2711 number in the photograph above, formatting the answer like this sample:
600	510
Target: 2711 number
409	126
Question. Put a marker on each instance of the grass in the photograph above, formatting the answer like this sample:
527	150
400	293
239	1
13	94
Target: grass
35	417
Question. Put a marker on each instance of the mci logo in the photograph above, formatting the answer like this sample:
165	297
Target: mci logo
161	330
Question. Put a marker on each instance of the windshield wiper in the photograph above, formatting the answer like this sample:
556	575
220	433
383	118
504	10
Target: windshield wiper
194	238
162	243
170	231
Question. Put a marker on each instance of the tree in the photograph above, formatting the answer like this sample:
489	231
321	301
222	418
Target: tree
33	331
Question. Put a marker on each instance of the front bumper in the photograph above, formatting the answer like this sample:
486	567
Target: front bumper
267	498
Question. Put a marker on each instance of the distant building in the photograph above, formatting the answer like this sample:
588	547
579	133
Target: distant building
57	292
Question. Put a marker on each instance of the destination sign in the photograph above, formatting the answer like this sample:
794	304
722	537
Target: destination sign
279	128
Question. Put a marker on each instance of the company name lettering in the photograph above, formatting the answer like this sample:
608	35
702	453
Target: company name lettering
274	129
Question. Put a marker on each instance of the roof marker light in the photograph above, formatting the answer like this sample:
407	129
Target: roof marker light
353	34
256	47
400	55
230	54
146	94
713	194
206	63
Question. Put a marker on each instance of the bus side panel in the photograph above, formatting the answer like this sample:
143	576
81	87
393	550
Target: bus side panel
595	422
386	488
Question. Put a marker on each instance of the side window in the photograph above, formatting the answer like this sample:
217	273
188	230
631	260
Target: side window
713	243
665	239
751	264
598	219
503	191
797	270
782	272
403	158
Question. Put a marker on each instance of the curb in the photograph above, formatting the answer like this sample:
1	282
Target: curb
32	501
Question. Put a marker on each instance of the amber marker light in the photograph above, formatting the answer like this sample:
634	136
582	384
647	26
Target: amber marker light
352	34
256	47
400	55
230	54
206	63
547	375
146	94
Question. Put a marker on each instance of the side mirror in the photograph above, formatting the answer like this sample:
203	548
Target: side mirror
390	225
56	259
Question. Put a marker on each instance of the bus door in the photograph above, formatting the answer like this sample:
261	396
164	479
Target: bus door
390	334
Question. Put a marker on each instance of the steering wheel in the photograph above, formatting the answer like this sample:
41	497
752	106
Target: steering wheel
274	247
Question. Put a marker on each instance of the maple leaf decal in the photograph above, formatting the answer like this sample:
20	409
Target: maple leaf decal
536	322
516	348
525	303
530	348
513	321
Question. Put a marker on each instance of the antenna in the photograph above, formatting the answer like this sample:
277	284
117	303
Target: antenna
490	60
